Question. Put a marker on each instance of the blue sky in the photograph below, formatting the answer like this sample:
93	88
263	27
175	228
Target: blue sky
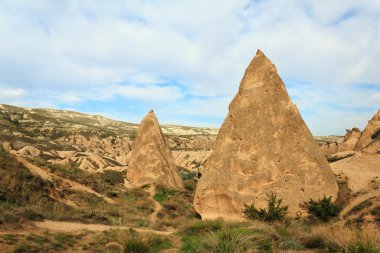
185	59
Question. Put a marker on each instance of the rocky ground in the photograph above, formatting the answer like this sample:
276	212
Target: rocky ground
63	176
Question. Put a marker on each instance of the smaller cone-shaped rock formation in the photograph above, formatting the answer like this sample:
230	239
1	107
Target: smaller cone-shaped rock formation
151	160
263	146
370	135
350	140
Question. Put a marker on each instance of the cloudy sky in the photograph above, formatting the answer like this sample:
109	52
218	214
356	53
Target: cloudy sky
185	59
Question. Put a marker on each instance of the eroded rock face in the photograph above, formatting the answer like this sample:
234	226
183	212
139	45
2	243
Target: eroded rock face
370	134
151	160
350	140
263	146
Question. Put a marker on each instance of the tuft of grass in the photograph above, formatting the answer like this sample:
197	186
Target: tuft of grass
10	239
362	246
38	239
226	241
134	245
275	211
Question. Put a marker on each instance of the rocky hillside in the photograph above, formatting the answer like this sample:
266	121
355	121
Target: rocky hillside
92	142
96	143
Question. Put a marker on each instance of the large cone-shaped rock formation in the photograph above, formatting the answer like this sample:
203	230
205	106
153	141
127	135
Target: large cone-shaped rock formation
151	160
263	146
371	133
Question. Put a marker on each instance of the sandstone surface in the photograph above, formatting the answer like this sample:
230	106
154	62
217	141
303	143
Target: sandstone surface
263	146
350	140
370	134
151	160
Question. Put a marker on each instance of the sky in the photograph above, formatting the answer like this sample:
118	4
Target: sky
185	59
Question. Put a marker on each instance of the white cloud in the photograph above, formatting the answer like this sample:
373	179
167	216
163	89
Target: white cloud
77	51
7	93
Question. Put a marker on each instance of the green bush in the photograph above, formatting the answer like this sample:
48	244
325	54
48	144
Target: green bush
275	211
322	209
162	194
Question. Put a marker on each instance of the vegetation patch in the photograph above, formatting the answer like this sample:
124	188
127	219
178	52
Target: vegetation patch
323	209
361	206
275	211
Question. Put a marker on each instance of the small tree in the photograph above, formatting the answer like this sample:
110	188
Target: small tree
274	212
322	209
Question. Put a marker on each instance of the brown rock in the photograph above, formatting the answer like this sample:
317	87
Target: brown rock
361	170
370	134
151	160
263	146
29	151
350	140
329	148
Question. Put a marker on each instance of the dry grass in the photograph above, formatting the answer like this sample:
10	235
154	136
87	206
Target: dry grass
346	237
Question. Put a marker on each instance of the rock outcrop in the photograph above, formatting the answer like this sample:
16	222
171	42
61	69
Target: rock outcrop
370	134
263	146
330	148
350	140
151	160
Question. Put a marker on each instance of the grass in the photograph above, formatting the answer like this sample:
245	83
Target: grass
361	206
47	242
131	240
24	196
10	239
226	241
177	207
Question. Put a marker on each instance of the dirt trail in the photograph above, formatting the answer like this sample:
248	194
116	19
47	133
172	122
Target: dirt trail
356	201
72	227
46	175
157	206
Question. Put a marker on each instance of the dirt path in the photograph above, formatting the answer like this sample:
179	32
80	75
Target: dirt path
356	201
46	175
157	206
73	226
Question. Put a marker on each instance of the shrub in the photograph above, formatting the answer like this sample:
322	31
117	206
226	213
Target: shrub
162	194
275	211
322	209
